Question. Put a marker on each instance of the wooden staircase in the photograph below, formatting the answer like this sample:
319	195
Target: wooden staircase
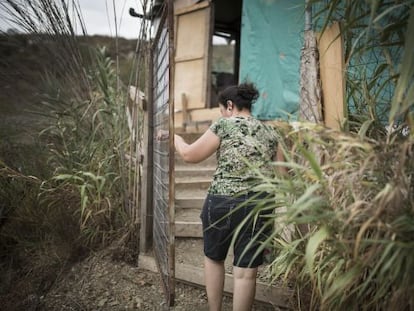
191	184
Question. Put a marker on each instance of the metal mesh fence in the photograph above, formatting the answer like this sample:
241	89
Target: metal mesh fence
373	37
163	203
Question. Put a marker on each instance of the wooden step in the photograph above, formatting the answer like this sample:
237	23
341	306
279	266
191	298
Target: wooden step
192	183
187	198
188	223
277	296
189	170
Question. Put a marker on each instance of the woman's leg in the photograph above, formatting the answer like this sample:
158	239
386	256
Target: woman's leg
214	279
244	288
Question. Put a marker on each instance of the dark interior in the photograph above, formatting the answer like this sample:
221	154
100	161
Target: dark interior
227	24
227	16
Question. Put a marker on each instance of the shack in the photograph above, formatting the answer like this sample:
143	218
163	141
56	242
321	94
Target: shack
199	48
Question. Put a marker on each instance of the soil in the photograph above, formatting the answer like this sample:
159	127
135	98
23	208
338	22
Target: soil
102	282
112	280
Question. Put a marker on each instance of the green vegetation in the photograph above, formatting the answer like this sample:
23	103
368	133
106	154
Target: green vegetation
344	221
344	213
87	141
375	35
223	58
63	180
78	155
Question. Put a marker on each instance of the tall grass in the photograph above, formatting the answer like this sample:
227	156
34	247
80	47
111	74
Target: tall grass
76	198
348	206
375	35
87	142
344	214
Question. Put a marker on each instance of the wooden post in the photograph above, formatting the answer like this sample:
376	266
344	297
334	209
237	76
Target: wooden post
135	156
332	67
147	170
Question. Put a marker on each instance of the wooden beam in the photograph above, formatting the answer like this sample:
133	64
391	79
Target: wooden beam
191	8
202	117
332	67
276	296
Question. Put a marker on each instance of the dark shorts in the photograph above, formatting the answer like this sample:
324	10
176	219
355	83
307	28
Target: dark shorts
221	217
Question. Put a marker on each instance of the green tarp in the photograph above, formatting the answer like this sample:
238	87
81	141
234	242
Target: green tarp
271	41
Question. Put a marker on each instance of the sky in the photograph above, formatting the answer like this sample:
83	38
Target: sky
98	16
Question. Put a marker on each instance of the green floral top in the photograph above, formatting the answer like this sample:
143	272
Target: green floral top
247	146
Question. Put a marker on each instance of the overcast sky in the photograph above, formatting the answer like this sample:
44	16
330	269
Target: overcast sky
98	16
99	19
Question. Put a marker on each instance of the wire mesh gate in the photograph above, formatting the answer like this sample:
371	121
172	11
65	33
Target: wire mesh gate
163	152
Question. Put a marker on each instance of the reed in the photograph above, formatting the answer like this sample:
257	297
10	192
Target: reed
344	214
82	100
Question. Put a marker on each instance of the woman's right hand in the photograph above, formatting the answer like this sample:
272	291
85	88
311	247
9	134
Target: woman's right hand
162	135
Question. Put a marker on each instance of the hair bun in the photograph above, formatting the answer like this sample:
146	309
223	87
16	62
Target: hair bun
242	95
248	91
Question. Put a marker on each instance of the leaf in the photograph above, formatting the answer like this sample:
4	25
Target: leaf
342	283
364	128
315	240
67	177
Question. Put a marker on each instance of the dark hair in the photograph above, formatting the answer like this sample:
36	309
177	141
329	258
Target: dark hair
242	95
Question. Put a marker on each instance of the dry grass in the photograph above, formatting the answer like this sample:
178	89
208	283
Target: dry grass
344	220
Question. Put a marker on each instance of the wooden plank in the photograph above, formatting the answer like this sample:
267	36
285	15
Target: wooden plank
188	58
187	9
188	80
189	229
188	222
192	182
188	42
182	171
192	54
205	114
146	197
146	191
208	50
277	296
332	69
185	203
198	115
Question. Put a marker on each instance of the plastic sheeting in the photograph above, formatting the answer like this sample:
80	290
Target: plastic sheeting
271	42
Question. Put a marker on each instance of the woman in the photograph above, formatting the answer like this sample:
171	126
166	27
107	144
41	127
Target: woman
240	142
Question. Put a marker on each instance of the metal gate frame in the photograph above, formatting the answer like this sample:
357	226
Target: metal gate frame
162	114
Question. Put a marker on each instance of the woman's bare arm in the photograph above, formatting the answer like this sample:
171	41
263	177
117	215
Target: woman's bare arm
198	151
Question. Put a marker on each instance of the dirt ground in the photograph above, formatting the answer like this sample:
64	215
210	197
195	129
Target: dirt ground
108	281
101	283
104	281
